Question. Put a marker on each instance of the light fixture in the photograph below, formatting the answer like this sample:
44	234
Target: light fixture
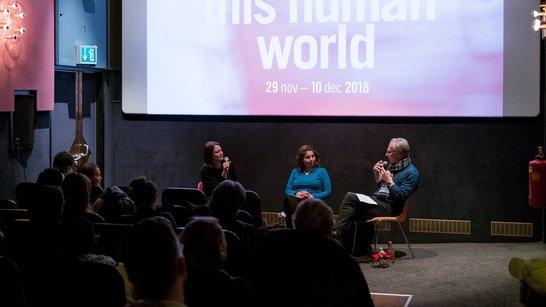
539	24
11	22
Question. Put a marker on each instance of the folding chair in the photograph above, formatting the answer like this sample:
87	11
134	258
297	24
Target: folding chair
390	219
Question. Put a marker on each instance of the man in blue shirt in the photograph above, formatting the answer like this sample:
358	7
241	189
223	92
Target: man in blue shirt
397	178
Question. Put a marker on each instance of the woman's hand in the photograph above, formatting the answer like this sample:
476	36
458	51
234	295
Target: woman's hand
225	167
304	194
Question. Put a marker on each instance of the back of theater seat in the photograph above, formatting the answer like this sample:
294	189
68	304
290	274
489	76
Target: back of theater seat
11	284
8	204
253	205
87	284
182	196
110	236
236	253
289	267
25	193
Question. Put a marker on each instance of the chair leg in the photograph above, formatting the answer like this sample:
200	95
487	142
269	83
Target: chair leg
384	233
406	238
375	236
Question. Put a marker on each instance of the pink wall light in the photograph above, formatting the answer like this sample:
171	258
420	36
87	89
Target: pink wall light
27	53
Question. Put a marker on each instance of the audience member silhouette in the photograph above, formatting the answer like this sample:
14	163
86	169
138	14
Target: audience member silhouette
78	241
83	276
205	250
226	200
114	203
144	194
12	292
152	257
50	176
76	188
47	210
27	238
314	215
11	281
305	266
38	239
92	171
64	162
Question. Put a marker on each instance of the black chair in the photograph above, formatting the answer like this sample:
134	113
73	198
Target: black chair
244	216
8	204
180	213
236	253
126	219
110	236
401	218
253	205
84	284
25	193
182	196
8	216
181	202
11	284
23	241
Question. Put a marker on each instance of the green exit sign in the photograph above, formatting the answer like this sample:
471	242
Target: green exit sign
86	54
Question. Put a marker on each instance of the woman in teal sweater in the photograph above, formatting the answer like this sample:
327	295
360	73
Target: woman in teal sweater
307	180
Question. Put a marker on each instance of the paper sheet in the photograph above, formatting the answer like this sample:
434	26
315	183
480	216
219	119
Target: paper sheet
365	199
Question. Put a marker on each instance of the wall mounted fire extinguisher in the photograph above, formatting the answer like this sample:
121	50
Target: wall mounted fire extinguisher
537	180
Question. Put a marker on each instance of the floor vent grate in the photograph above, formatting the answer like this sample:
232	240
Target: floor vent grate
273	219
440	226
511	229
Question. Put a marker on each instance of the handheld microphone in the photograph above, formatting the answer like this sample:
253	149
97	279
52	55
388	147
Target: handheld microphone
226	159
385	165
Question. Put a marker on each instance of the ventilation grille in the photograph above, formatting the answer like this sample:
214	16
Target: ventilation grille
273	219
384	226
440	226
510	229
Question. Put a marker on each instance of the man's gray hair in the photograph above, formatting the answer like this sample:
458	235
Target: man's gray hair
401	145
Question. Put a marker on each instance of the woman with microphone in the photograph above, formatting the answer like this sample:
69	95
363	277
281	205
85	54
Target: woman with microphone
217	167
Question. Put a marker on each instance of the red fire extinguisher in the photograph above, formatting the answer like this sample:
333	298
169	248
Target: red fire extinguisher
537	180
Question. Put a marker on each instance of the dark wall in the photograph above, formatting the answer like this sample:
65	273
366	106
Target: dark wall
471	169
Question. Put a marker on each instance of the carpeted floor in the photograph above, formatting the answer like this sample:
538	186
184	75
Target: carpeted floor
453	274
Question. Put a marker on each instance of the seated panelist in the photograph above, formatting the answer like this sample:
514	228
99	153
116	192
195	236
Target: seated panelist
307	180
217	167
396	179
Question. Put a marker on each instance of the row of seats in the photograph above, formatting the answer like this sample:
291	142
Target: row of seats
179	199
175	200
24	192
171	197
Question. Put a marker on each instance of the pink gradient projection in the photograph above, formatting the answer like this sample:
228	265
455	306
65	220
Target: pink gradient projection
318	58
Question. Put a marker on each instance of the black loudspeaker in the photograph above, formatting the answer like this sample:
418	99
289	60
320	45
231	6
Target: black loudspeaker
22	122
